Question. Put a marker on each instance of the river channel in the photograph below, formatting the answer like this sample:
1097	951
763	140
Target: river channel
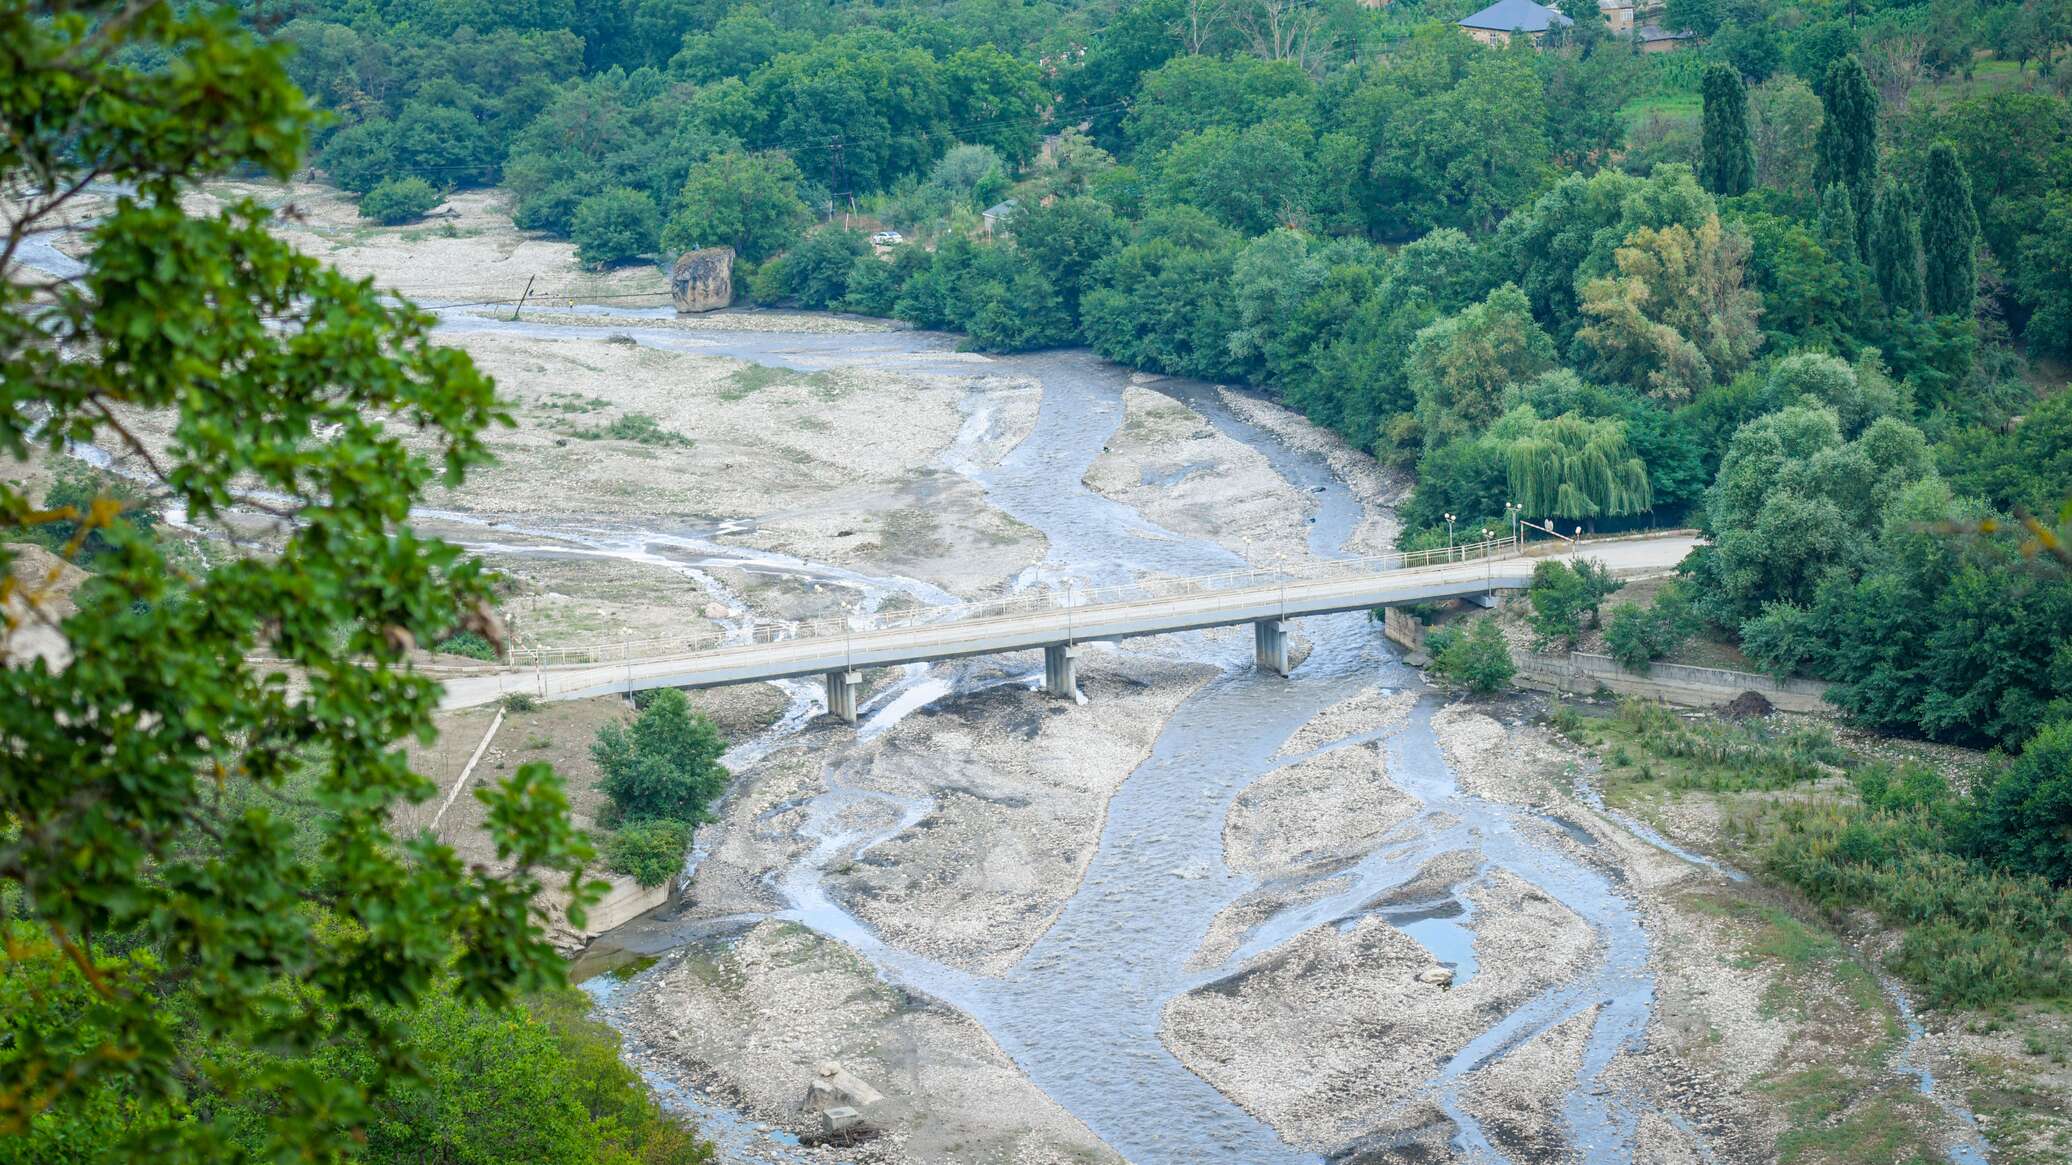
1080	1013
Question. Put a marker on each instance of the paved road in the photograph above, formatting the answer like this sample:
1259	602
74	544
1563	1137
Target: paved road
1022	632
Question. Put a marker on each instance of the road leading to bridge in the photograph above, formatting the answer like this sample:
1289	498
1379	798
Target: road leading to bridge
1261	598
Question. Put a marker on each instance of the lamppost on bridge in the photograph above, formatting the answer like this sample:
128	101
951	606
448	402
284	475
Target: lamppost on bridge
1516	513
1449	531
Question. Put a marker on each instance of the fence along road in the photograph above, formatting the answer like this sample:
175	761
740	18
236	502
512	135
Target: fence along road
1054	621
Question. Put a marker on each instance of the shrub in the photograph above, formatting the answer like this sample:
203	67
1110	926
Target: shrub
1564	597
615	227
1638	635
2025	818
636	427
666	765
398	200
520	702
1476	659
650	852
76	487
468	644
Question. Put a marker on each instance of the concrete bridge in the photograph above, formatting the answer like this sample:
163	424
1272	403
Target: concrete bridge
1054	622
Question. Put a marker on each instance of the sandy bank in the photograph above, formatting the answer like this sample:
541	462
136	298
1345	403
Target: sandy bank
1325	1035
1378	489
1167	462
751	1020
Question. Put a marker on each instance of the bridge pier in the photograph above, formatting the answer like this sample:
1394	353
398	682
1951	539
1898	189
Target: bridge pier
1270	645
842	689
1061	671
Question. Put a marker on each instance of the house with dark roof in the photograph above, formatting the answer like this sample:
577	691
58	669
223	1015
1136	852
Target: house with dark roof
1496	24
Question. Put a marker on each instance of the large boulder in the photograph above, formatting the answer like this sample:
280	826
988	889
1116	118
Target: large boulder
703	280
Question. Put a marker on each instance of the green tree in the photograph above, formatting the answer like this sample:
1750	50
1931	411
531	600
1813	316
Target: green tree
1637	636
1478	659
2045	281
1460	366
1895	251
1846	152
815	273
1677	317
1949	234
749	202
1565	599
1572	467
1727	165
398	200
165	897
1251	180
665	766
1067	240
617	226
2025	818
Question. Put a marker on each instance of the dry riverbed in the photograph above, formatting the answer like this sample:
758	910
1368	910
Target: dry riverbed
959	832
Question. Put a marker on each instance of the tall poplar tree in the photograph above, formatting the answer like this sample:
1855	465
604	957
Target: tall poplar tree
1895	251
1846	152
1949	234
1727	164
1839	230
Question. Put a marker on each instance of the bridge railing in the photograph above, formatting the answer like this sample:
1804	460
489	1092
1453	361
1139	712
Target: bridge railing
754	630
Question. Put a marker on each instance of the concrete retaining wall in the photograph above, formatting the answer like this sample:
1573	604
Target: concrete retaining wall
625	901
1675	683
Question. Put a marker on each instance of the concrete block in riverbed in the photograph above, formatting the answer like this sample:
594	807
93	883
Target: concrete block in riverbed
835	1087
840	1120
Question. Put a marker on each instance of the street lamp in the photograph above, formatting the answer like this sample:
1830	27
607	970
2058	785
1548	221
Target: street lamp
1449	535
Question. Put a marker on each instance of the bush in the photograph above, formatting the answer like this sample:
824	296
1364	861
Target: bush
399	200
650	852
1564	596
1638	635
76	487
468	644
2024	819
520	702
665	766
1477	659
815	273
615	227
636	427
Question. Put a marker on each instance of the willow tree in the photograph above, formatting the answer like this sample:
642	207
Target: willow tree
1573	467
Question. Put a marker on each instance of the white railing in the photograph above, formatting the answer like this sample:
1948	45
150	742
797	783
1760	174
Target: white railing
755	631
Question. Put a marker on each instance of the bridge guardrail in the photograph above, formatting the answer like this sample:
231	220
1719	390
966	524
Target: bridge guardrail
781	631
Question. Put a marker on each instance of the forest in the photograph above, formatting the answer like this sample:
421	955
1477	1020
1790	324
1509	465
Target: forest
1806	285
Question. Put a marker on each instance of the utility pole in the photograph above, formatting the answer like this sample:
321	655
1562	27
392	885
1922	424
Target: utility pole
523	297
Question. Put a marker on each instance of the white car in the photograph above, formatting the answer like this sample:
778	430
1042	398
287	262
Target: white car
888	238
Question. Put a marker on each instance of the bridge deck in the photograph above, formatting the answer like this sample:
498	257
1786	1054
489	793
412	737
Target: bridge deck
1049	626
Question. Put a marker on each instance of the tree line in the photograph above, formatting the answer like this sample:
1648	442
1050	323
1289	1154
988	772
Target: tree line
1490	267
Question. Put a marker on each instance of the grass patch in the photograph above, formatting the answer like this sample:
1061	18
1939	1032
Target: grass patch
1673	106
572	402
1835	1122
752	379
638	428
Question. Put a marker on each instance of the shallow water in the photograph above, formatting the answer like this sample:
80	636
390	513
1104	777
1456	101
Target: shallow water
1080	1013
